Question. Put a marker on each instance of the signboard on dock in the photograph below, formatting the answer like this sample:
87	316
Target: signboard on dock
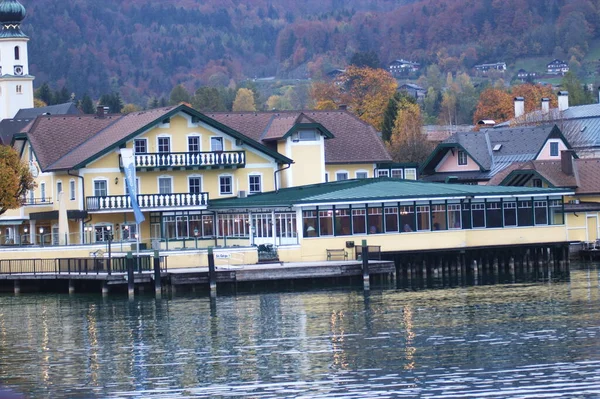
222	255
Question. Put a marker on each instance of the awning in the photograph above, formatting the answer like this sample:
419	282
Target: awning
53	215
11	222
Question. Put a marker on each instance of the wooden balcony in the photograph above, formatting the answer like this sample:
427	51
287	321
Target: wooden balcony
147	202
37	201
190	160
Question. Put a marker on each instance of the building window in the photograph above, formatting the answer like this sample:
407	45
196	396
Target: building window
410	174
359	221
195	184
137	186
541	212
72	190
128	231
100	188
423	217
362	175
58	188
254	185
341	176
397	173
383	173
43	192
478	215
164	144
462	157
326	177
554	149
193	143
454	217
537	183
216	143
19	89
305	135
165	185
17	53
140	146
510	213
225	185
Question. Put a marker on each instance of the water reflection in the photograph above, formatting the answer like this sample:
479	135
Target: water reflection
532	338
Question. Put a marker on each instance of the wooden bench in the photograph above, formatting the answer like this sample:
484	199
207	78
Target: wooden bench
337	252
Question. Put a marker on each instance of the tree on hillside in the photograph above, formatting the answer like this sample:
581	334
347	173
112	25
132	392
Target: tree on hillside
129	108
364	59
37	103
15	179
533	94
278	103
408	143
113	101
44	93
179	95
577	94
244	101
87	105
208	99
495	104
391	113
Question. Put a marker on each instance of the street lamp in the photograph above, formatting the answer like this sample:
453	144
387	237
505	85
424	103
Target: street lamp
25	230
109	237
42	235
196	236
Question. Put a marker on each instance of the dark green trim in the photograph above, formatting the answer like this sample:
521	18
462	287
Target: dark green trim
305	126
523	172
556	133
192	112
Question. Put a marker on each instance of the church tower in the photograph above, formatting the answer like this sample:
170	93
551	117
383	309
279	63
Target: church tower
16	84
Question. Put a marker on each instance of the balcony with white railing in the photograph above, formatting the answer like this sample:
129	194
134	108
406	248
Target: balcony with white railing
147	202
191	160
28	201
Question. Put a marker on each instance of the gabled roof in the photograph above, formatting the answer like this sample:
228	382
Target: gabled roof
373	190
519	144
354	141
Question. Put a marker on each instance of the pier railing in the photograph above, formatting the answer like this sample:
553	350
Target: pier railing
76	265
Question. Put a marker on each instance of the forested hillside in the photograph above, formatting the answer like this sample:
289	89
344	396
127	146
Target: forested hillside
143	48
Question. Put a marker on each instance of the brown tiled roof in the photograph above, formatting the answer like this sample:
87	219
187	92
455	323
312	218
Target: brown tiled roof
54	136
354	140
122	127
588	175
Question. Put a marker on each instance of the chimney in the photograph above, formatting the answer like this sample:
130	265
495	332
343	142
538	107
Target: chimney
519	107
342	107
545	105
100	111
563	100
566	162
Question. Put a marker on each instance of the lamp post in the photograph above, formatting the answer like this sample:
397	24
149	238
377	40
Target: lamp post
196	237
109	237
25	230
42	236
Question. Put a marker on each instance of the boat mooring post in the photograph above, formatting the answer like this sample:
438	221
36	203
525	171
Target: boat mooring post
157	277
365	265
130	276
212	275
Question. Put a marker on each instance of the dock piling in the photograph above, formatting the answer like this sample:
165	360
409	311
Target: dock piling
17	286
71	286
365	265
157	277
104	288
212	275
130	275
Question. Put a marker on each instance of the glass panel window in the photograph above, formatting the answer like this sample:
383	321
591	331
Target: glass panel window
326	223
438	214
423	217
359	222
309	223
43	192
342	222
195	184
225	185
383	173
397	173
195	225
510	213
140	146
462	157
207	226
554	149
466	215
254	184
536	182
541	212
233	225
375	220
306	135
524	213
410	174
169	224
164	144
100	188
391	219
556	213
454	218
285	225
494	214
194	143
128	231
341	176
362	175
478	214
58	188
72	189
407	218
164	185
216	143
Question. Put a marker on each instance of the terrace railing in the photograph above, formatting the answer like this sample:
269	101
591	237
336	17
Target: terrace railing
118	202
190	159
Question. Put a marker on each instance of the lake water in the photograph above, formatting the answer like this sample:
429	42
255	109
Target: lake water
522	340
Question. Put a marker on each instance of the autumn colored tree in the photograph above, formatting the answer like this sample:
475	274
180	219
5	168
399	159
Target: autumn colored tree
37	103
276	102
326	105
129	108
325	92
495	104
15	179
244	101
533	94
408	143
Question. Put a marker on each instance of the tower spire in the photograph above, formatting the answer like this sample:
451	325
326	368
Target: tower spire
12	14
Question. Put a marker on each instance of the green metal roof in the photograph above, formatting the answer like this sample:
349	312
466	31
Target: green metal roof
374	190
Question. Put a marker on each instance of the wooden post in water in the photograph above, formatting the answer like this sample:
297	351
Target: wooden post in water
17	285
365	265
157	277
511	267
104	288
475	271
130	275
212	275
71	286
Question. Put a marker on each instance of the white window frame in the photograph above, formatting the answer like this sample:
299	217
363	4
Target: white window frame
366	172
163	136
550	144
212	147
341	172
43	192
383	173
145	145
326	177
413	172
195	177
163	177
99	179
397	170
250	176
458	158
199	142
72	190
297	136
230	176
58	185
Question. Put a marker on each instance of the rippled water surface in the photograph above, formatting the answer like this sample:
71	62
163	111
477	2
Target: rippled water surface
524	340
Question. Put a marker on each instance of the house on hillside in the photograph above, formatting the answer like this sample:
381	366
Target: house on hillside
523	75
557	67
484	68
476	157
413	90
334	73
402	67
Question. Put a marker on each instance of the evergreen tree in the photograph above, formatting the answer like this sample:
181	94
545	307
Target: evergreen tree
389	117
44	93
179	95
87	106
208	99
365	59
113	101
577	93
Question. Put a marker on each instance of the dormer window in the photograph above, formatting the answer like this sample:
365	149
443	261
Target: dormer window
554	149
462	157
305	135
